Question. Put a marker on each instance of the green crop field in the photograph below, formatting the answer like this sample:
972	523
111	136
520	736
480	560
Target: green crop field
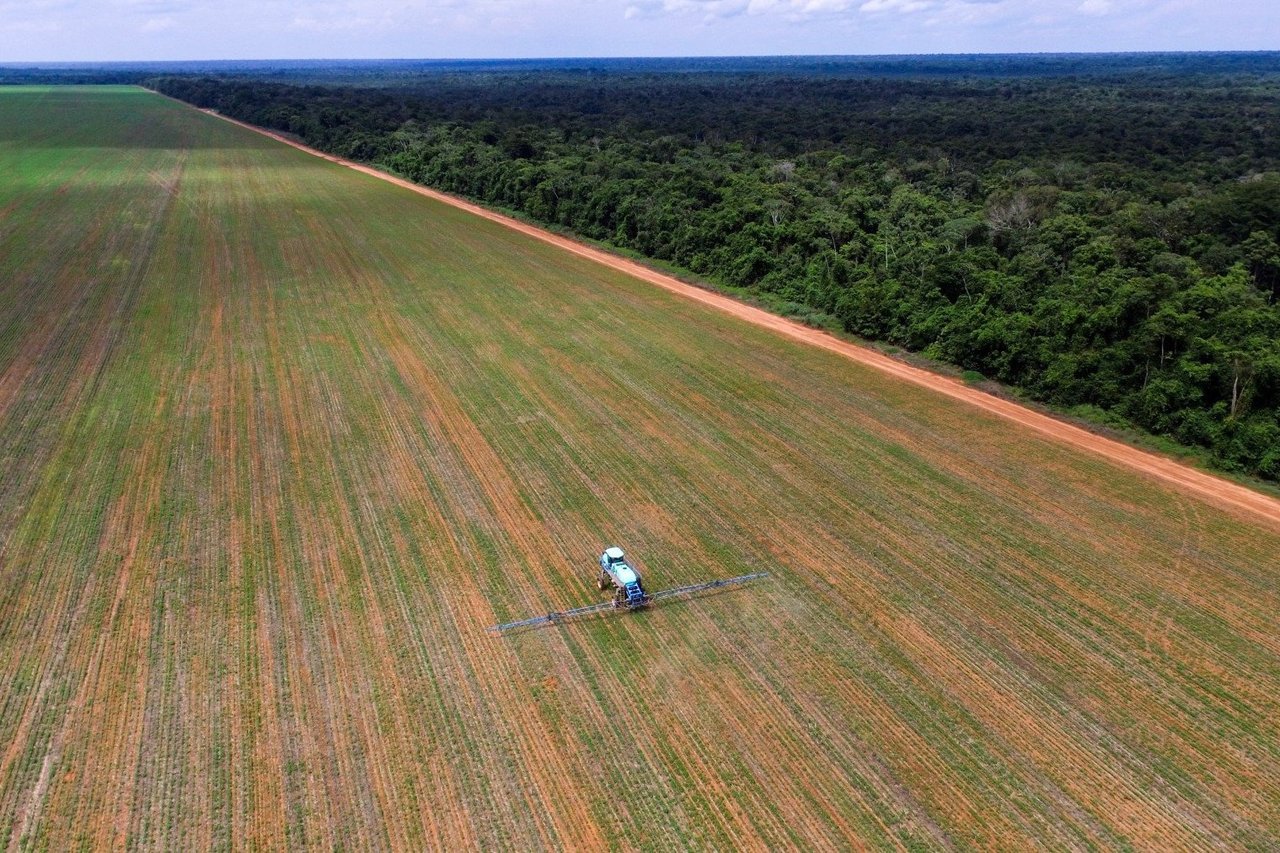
278	441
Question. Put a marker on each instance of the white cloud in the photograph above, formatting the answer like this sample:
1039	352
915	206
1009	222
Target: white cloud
798	10
873	6
30	27
332	24
41	7
706	9
153	7
186	29
158	25
407	16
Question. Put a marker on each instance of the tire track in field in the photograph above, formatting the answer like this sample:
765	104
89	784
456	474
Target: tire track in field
693	751
905	543
50	362
321	396
707	760
888	532
1083	593
95	354
262	798
528	537
1174	474
638	422
453	435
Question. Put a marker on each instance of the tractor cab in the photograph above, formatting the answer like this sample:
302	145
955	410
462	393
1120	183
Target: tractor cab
616	574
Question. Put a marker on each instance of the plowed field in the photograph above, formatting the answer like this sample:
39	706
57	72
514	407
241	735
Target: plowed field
278	440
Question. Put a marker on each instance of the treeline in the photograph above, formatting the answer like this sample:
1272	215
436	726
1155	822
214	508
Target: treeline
1106	242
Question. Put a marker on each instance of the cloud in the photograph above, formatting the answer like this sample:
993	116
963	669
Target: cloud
942	8
906	6
158	25
154	8
44	7
799	11
184	29
30	27
339	16
33	17
705	9
310	23
405	16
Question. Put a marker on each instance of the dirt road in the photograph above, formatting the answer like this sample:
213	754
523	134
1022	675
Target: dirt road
1183	477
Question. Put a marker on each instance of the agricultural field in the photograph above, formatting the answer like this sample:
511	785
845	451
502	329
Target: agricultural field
279	441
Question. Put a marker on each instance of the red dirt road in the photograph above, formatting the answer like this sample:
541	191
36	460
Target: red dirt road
1183	477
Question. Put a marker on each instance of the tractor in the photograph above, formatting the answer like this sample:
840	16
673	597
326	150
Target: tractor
615	574
628	594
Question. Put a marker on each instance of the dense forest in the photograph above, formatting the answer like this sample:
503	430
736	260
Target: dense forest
1102	234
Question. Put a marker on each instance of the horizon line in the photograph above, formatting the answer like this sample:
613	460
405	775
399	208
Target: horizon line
634	57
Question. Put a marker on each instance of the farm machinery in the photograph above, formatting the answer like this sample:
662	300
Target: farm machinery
615	574
618	575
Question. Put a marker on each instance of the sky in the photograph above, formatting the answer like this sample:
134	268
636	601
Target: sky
110	30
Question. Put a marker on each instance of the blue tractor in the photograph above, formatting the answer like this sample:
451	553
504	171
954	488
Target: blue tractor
615	574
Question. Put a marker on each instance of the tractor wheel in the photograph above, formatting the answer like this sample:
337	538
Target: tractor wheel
603	582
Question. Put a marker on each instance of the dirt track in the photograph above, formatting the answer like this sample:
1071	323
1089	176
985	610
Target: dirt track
1184	477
